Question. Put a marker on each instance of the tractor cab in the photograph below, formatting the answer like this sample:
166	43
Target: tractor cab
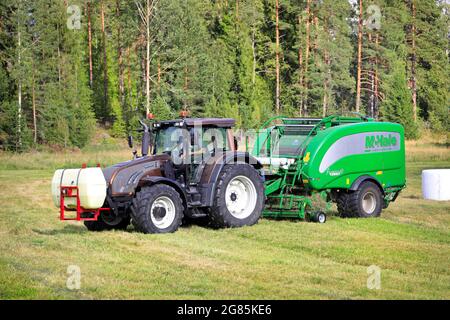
186	143
191	141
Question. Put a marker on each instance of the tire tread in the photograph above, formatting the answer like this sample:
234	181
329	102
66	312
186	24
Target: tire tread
140	207
219	215
348	202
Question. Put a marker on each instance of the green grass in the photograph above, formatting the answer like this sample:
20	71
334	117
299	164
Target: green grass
274	259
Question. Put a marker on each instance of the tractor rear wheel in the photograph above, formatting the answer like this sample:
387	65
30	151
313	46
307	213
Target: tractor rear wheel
157	209
239	198
108	221
366	202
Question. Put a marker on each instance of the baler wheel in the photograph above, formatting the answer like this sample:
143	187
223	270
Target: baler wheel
342	205
319	217
106	221
157	209
366	202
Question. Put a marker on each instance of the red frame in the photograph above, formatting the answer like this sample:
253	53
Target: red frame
67	192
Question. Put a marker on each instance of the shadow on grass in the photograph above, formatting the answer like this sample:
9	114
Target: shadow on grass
441	144
204	221
413	197
200	222
187	223
307	218
68	229
74	229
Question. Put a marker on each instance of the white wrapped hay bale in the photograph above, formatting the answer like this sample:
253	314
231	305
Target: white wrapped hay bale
436	184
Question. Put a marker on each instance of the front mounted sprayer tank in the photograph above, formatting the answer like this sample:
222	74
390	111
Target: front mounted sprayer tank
188	169
355	162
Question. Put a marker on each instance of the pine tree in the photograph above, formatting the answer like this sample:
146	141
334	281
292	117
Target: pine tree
246	59
397	106
433	68
388	56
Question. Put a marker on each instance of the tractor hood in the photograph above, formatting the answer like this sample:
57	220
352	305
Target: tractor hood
122	178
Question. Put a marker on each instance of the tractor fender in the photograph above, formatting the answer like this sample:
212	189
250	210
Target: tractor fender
151	180
213	168
355	185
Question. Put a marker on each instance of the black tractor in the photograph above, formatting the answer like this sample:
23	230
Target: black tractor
189	169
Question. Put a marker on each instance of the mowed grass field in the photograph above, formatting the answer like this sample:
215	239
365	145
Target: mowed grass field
286	259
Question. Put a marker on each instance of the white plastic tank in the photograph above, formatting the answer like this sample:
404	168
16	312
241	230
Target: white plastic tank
436	184
90	182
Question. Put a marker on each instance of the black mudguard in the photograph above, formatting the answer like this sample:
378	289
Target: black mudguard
210	172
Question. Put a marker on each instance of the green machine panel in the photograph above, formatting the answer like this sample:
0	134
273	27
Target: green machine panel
337	156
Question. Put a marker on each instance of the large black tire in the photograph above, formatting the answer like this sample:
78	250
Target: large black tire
220	215
157	209
342	205
366	202
108	221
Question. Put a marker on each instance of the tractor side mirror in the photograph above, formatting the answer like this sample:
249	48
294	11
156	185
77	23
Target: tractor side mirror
130	141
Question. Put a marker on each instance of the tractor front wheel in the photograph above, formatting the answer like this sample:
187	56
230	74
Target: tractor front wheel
108	221
239	197
157	209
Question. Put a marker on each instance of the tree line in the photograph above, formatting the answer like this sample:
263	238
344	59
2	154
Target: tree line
67	65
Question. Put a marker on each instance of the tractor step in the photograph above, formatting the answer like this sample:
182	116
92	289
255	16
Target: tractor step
199	215
195	204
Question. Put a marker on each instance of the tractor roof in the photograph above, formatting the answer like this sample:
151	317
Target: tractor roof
206	122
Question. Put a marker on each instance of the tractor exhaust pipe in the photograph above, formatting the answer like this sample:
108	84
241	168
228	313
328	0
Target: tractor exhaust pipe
145	143
145	139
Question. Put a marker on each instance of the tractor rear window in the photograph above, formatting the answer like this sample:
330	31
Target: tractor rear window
206	139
